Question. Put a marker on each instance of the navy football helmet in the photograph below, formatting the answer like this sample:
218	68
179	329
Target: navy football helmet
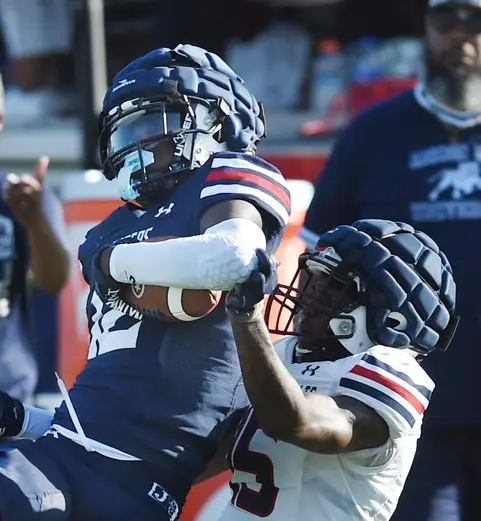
167	113
373	283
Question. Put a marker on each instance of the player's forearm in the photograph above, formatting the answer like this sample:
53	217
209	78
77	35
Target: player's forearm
217	260
276	397
49	259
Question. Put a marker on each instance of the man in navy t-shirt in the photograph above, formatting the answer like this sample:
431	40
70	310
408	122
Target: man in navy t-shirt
416	158
32	237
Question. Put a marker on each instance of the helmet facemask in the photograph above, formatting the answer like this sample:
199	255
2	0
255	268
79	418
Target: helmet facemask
148	144
329	311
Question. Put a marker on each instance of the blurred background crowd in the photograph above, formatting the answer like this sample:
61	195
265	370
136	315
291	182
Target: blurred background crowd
293	53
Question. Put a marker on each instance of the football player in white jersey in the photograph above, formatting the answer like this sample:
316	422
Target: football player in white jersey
337	405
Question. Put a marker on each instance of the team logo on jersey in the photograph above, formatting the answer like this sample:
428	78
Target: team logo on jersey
159	494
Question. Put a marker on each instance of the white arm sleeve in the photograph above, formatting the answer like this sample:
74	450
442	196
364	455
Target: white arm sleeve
217	260
36	422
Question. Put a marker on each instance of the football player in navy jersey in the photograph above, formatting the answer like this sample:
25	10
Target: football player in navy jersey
178	134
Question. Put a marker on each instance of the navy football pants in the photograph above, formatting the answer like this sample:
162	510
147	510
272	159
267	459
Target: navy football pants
54	479
445	480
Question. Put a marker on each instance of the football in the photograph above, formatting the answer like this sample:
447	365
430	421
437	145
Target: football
173	304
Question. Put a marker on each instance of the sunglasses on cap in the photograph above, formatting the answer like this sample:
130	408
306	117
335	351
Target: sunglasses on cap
446	18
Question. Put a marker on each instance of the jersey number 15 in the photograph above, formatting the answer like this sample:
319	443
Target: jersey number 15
260	502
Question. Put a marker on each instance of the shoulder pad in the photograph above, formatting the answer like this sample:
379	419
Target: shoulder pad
391	382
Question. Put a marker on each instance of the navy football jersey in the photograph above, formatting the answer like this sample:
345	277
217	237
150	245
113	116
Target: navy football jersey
168	393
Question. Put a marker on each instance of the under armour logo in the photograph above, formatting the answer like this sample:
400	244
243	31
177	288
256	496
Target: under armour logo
310	369
164	211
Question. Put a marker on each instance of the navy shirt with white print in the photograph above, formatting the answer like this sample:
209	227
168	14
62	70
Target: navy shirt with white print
397	161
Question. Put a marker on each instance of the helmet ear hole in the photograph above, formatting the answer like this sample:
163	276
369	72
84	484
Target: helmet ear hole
397	321
218	136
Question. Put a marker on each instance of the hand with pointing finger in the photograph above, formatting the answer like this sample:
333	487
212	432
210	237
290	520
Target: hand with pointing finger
24	194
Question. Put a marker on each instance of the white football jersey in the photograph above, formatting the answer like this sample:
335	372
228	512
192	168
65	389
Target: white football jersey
279	481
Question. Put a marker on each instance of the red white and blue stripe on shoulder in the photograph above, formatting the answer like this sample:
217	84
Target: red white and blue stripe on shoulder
386	386
248	177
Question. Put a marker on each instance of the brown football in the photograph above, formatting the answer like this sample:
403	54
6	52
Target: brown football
175	304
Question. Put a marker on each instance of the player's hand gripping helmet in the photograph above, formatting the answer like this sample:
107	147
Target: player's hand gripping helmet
373	283
167	112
